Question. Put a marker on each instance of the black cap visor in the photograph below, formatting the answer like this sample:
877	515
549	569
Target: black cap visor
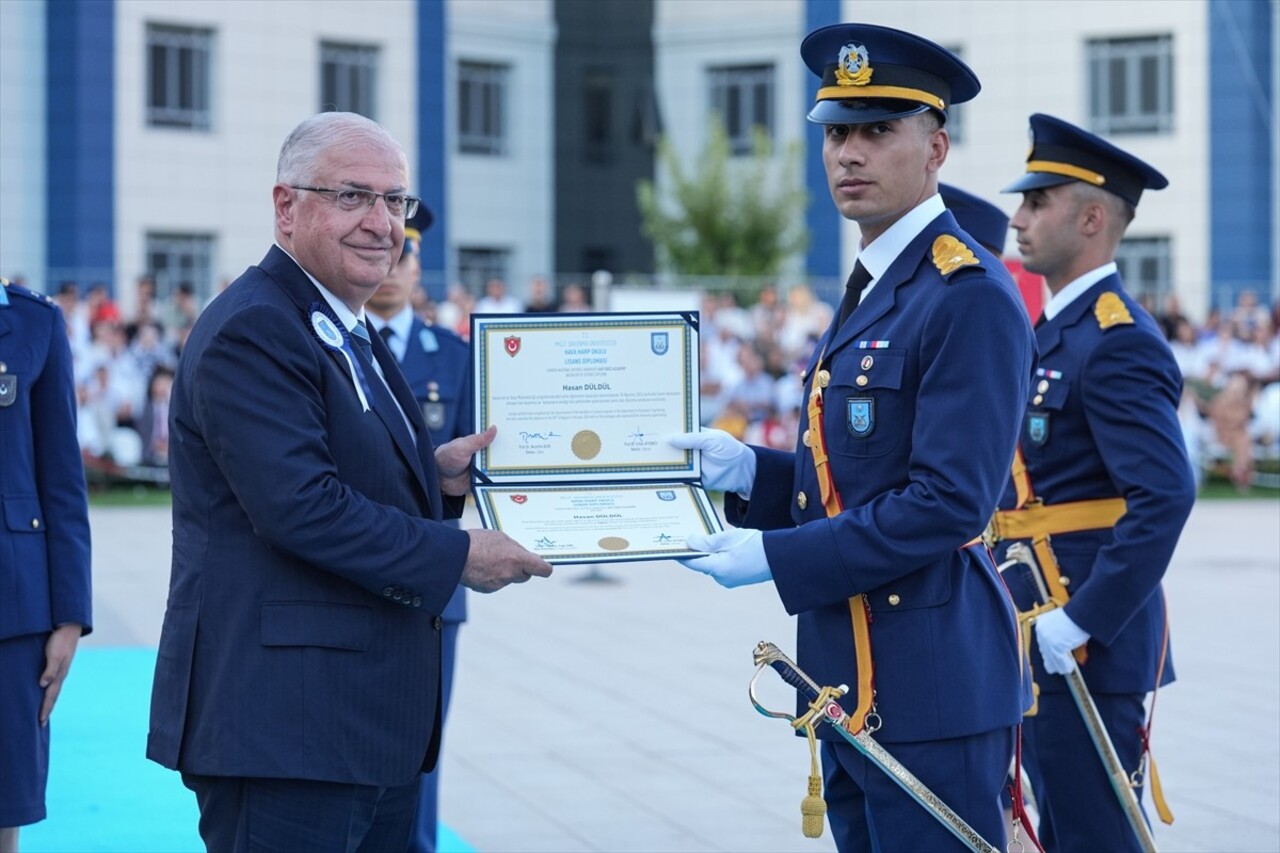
864	110
1036	181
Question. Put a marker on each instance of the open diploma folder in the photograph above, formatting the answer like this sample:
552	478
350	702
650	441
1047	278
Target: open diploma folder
581	471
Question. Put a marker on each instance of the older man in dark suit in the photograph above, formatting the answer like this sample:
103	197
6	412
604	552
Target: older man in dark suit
297	680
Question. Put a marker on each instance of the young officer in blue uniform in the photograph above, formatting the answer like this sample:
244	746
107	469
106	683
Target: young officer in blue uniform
1107	485
437	365
45	602
914	406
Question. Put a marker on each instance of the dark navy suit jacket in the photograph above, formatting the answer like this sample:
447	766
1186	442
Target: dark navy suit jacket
920	427
44	537
302	635
438	362
1106	426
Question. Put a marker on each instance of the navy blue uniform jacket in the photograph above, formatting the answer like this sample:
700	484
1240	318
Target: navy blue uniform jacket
945	392
302	637
1106	426
44	538
437	360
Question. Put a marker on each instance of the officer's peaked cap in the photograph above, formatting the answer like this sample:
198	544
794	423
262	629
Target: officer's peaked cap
872	73
1061	152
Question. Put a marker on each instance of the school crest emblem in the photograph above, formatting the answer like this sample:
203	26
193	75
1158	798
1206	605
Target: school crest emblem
862	416
659	342
1038	427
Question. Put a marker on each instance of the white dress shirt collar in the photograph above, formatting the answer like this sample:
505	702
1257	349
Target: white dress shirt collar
880	254
400	325
1060	300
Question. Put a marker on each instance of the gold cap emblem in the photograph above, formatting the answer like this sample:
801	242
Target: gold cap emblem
949	255
1111	311
853	68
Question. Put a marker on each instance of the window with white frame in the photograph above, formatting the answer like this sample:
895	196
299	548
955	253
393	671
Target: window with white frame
177	258
478	264
1131	85
743	96
482	108
1146	266
179	76
348	78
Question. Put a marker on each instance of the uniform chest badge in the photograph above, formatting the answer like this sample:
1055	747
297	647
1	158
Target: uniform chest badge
1111	311
433	414
862	416
8	389
1038	427
949	255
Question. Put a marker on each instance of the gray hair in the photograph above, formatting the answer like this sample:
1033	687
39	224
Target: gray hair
307	142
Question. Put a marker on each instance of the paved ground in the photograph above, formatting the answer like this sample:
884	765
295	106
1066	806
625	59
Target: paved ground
612	714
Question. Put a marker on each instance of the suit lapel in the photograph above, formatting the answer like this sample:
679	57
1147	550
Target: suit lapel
1049	335
884	296
293	281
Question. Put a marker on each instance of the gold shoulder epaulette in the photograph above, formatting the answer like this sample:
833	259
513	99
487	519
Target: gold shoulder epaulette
1111	311
949	255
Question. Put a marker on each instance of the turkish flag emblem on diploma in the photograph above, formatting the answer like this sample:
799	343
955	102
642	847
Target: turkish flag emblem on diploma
519	498
511	344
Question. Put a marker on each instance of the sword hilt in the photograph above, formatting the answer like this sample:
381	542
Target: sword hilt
795	678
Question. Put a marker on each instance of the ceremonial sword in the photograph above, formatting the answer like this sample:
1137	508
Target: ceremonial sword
1019	553
768	655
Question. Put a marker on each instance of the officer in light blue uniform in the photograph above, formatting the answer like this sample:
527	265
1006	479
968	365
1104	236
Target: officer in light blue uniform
45	604
437	365
1107	479
915	393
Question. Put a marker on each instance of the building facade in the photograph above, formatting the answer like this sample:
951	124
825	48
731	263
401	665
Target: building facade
139	135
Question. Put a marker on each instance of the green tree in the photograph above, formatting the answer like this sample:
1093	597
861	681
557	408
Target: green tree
730	216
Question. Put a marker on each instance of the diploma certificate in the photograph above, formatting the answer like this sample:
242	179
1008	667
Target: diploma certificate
581	470
600	524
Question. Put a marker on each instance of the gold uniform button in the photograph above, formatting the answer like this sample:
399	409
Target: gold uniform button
802	500
894	600
35	524
805	438
1066	581
1043	386
1037	399
4	368
861	381
824	378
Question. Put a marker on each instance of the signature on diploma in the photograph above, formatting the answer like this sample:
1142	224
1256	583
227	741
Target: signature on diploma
637	435
664	538
545	542
527	437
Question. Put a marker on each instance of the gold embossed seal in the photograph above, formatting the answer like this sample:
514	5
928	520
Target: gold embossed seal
585	444
614	543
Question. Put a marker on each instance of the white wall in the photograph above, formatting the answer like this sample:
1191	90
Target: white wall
508	201
266	78
1031	57
22	141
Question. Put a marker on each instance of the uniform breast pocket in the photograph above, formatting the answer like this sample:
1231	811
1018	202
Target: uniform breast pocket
866	405
1044	415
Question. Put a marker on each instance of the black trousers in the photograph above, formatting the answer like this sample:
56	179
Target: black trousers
250	815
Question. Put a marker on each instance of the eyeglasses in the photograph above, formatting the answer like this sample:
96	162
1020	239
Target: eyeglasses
350	200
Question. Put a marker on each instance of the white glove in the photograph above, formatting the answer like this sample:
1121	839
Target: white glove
728	465
735	557
1058	636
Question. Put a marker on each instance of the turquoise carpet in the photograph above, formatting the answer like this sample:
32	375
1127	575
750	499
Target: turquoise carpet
103	793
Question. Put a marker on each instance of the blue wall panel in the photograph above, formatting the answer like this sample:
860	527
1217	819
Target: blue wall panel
432	156
80	120
822	218
1240	149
